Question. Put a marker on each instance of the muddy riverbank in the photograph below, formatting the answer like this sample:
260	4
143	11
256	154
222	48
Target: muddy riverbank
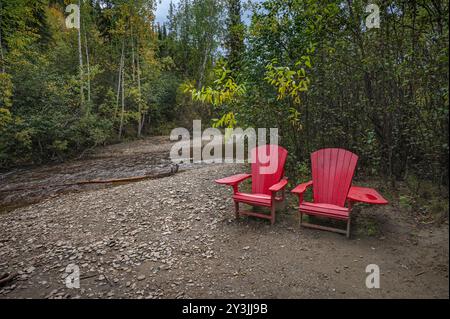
104	167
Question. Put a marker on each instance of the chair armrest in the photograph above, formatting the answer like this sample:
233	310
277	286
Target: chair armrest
233	180
300	189
366	195
278	186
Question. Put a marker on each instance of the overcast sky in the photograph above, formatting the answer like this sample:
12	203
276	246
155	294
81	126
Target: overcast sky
162	9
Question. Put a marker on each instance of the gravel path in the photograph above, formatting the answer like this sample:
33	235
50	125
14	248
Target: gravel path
176	237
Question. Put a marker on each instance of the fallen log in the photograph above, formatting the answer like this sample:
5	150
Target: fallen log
6	278
173	170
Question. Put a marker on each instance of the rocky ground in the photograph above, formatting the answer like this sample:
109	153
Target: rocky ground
176	237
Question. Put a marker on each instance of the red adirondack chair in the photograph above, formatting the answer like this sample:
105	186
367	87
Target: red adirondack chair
265	185
332	174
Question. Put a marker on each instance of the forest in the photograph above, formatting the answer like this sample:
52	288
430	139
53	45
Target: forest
350	202
313	69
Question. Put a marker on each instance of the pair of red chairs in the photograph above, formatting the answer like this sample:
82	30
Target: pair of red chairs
333	193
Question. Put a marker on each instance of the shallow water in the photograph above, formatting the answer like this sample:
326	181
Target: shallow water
123	163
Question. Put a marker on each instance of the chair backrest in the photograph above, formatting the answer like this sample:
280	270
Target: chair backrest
332	173
267	167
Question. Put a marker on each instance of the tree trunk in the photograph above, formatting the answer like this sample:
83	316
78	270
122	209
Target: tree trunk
120	78
80	55
88	67
133	63
123	102
141	117
203	67
2	58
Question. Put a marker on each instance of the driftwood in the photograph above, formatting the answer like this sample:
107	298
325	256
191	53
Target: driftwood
173	170
6	278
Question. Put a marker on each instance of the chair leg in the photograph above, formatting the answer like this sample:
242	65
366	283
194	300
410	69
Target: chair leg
320	227
300	219
236	209
348	228
272	213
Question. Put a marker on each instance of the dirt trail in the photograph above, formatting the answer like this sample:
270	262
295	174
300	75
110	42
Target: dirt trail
176	237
